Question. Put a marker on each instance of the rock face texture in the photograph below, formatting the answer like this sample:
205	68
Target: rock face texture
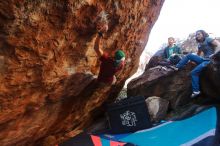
164	83
47	63
157	108
175	86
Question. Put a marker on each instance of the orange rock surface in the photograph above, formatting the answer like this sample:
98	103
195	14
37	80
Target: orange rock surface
47	61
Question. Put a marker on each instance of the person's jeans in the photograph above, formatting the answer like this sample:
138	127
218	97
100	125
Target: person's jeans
201	64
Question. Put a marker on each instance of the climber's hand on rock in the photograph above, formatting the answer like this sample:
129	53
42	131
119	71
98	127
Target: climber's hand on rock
102	27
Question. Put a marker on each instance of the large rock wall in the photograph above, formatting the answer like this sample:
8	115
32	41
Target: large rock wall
47	62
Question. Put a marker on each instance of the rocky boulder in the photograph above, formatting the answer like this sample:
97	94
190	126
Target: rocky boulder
175	86
157	108
165	83
48	64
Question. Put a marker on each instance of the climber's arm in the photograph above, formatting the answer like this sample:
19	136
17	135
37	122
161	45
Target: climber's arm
120	70
97	49
102	28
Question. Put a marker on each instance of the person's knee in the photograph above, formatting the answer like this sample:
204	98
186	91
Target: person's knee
194	73
205	63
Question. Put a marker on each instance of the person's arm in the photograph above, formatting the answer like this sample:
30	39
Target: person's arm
165	53
176	51
119	70
199	52
216	43
179	50
97	49
101	29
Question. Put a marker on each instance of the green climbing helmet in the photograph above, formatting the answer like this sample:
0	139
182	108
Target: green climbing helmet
119	55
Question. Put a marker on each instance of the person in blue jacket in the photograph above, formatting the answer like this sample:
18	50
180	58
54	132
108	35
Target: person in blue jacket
207	48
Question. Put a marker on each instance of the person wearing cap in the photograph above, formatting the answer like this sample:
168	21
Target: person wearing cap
207	48
109	65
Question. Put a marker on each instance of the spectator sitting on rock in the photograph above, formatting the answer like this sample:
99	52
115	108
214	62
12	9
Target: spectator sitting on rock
109	65
172	53
209	47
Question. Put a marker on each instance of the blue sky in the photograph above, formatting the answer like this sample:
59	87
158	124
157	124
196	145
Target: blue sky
179	18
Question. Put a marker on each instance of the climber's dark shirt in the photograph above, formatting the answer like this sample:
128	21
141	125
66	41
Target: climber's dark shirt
108	69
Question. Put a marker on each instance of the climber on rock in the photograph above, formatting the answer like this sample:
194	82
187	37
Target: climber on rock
209	47
109	65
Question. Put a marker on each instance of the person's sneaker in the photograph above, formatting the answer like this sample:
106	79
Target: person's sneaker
195	94
174	68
